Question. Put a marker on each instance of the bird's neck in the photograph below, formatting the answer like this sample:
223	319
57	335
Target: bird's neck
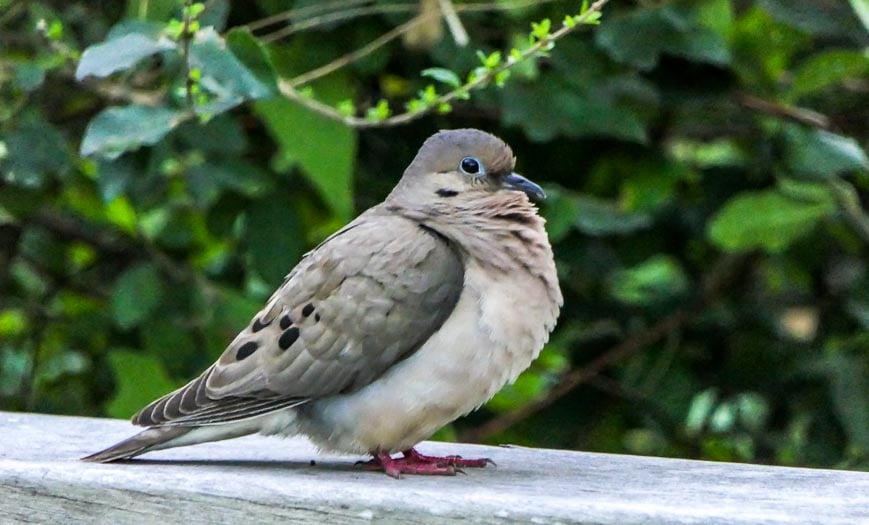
500	231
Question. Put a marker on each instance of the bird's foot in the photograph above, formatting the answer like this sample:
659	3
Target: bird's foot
395	467
413	462
455	461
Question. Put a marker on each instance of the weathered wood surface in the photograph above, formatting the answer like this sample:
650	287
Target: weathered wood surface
263	480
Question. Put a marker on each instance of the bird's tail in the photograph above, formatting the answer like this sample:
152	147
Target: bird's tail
157	438
142	442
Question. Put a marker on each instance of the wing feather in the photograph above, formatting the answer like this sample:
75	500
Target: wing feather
364	299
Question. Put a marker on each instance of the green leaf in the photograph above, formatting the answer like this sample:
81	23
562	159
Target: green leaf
818	152
766	220
159	10
120	212
224	75
599	217
120	129
323	148
849	373
253	55
35	151
641	37
650	184
140	379
716	15
442	75
548	108
700	410
806	191
275	236
825	69
101	60
559	210
658	278
722	152
137	294
209	180
13	322
833	19
861	9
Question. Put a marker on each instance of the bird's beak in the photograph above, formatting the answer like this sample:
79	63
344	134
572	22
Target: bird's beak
514	181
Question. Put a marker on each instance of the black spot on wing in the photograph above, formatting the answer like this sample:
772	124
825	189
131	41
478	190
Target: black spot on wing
288	338
246	350
308	310
286	322
257	325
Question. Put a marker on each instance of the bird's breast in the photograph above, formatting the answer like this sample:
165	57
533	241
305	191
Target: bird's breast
495	330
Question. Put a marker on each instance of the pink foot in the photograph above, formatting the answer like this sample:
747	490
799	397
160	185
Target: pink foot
455	461
413	462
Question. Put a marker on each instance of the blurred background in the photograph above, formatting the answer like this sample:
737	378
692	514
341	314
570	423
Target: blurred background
165	164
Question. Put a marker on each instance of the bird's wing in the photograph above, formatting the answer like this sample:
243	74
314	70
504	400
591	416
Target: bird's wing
367	297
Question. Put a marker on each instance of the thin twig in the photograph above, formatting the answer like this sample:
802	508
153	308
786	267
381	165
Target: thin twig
287	89
185	37
353	13
371	47
714	285
801	115
329	18
353	56
302	12
460	35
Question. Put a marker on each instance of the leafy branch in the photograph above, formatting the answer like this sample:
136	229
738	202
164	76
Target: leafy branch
223	71
493	69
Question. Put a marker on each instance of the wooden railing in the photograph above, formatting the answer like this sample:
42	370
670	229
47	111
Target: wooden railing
264	480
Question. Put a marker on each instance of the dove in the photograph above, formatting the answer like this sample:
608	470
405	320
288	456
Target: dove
414	314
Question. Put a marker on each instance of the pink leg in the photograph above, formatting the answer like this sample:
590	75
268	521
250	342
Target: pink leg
413	462
456	461
396	467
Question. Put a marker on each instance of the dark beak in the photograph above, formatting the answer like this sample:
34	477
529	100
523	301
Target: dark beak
514	181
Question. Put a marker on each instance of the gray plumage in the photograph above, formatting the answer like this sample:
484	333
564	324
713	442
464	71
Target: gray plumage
412	315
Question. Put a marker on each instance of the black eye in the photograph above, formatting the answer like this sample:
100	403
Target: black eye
470	165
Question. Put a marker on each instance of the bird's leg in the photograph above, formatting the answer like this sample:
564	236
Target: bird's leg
395	467
411	455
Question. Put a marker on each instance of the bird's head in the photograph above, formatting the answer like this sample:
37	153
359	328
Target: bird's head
462	164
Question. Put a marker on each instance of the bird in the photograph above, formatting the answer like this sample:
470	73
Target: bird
415	313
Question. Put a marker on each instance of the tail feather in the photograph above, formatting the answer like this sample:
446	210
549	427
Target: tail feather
161	437
144	441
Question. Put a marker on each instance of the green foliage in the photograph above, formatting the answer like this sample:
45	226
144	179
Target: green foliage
141	379
324	151
118	130
766	219
136	295
165	163
119	54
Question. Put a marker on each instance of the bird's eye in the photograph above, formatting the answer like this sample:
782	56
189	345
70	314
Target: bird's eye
470	165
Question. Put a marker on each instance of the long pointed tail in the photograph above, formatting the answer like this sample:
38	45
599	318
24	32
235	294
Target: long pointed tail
157	438
144	441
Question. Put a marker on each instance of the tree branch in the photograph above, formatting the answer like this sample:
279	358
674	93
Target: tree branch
796	114
287	87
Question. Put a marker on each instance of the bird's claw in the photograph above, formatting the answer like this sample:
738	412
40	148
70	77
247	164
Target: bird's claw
456	461
412	462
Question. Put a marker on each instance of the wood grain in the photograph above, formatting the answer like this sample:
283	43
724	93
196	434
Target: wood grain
265	480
